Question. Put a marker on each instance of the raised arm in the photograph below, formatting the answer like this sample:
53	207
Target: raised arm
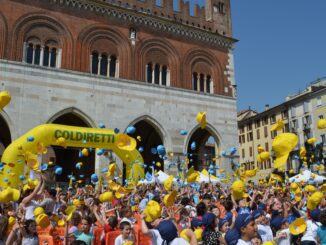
30	197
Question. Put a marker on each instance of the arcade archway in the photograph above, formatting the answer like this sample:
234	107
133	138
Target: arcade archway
202	149
5	136
150	138
68	157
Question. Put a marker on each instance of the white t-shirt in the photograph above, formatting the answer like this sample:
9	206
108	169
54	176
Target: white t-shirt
157	239
119	240
311	232
265	233
242	242
287	239
30	210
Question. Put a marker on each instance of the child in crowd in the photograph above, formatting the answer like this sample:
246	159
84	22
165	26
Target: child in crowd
321	231
84	233
126	234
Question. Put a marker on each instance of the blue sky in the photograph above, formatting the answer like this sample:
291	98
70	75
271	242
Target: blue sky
281	48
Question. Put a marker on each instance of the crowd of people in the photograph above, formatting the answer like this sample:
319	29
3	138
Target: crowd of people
264	214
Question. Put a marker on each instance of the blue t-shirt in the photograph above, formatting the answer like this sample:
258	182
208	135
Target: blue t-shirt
81	236
321	234
243	211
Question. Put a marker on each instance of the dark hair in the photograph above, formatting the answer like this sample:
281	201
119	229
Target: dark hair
88	219
113	221
3	226
322	217
27	224
228	205
211	207
78	242
185	201
201	209
123	224
207	196
124	211
75	219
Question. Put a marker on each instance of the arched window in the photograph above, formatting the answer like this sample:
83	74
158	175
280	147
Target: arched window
30	52
113	66
157	74
53	59
46	56
104	65
194	81
149	73
208	84
94	63
164	75
37	55
202	82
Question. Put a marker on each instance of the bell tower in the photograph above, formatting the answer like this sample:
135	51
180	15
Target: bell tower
219	12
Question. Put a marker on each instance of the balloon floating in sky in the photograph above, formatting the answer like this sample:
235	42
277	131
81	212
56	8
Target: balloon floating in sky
193	146
58	171
183	132
85	152
141	149
5	98
154	151
100	152
116	130
131	130
94	178
101	125
201	119
233	150
161	150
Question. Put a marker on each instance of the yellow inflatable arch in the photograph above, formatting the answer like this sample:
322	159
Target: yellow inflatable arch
44	135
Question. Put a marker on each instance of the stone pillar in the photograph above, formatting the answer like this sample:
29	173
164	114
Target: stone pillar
205	83
33	59
59	57
168	81
146	69
160	76
198	82
108	66
116	68
90	63
153	74
42	55
24	51
99	64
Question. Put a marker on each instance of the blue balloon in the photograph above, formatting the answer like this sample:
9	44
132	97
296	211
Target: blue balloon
211	171
100	152
94	178
183	132
101	125
193	146
44	167
22	177
30	138
1	164
154	151
81	176
78	165
148	176
58	171
141	149
104	170
233	150
80	154
131	130
161	150
223	154
211	166
116	130
1	168
6	179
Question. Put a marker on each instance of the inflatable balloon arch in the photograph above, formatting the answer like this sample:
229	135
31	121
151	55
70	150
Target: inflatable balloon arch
25	149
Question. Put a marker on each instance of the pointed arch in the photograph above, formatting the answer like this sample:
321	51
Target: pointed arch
157	126
210	128
75	111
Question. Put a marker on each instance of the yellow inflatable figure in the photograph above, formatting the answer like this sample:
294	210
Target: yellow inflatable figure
48	134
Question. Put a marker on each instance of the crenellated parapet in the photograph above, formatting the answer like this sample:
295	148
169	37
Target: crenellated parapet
215	17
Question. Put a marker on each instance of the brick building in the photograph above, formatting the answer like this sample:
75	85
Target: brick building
81	62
